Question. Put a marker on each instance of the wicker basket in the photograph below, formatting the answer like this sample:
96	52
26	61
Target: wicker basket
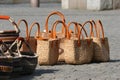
78	51
48	49
28	60
101	45
6	62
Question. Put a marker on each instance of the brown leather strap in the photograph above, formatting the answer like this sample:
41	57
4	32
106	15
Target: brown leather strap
26	25
76	28
38	30
99	23
53	13
95	27
91	27
53	31
4	17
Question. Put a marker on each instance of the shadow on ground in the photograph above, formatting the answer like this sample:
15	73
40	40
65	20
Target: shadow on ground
38	72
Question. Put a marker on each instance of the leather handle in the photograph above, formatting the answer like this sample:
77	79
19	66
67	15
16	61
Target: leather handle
53	13
53	31
26	25
76	28
91	27
95	27
38	30
101	29
4	17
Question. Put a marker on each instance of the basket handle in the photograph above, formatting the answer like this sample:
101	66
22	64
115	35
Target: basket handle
101	29
91	27
77	26
4	17
53	13
95	27
53	31
26	25
38	30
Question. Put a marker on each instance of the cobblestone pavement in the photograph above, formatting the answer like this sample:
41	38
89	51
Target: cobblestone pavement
95	71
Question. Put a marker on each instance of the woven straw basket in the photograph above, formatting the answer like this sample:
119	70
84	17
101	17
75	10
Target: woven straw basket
78	51
48	50
101	45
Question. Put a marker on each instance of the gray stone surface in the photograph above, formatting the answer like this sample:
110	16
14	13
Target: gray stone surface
94	71
99	4
116	4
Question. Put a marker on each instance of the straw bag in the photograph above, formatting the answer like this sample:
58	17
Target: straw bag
48	49
30	39
101	45
29	59
78	51
45	34
6	62
9	36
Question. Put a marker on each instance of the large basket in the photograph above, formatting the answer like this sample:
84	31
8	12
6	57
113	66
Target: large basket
28	60
77	50
6	62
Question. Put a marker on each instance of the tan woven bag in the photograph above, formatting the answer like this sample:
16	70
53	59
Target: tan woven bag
101	45
48	49
30	39
78	51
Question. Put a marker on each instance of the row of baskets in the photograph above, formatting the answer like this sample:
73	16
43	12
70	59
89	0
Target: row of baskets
78	46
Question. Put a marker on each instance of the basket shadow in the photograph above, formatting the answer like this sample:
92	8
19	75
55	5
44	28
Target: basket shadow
117	60
37	72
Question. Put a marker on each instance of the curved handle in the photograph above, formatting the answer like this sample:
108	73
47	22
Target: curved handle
13	23
26	25
53	13
53	31
4	17
95	27
101	30
38	29
91	27
76	28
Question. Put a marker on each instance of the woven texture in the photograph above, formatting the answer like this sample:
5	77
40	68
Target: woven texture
75	54
47	52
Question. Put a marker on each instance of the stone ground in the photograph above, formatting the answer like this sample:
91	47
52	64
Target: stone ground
94	71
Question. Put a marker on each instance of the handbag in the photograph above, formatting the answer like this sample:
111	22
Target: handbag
77	50
48	49
100	43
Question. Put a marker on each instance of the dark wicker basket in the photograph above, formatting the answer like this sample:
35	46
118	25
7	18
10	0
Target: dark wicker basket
28	60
